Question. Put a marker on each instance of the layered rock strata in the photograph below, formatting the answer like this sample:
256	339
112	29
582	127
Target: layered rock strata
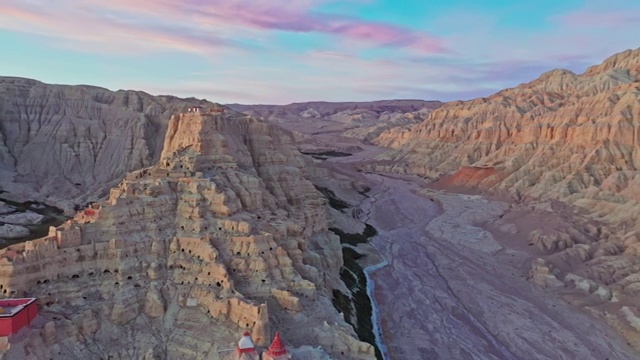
560	135
67	145
564	137
225	234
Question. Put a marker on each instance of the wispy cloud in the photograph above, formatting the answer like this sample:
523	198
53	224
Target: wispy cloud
575	40
96	28
272	51
197	25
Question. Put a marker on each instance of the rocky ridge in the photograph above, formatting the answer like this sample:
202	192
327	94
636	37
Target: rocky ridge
565	137
67	145
224	234
359	120
328	109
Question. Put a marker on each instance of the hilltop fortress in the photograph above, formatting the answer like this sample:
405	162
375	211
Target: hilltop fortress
224	235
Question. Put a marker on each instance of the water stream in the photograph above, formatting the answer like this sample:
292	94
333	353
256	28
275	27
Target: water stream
375	313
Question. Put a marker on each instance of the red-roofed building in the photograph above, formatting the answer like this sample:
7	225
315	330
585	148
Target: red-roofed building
16	314
246	350
277	350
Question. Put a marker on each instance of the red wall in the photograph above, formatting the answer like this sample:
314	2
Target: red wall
33	311
20	320
13	324
6	326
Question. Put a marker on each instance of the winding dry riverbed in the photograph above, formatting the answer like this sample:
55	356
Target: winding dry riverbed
444	293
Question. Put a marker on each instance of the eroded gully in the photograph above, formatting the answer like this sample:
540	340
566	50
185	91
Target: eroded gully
434	299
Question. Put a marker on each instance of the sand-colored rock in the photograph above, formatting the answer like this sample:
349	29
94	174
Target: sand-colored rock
48	333
225	234
563	136
542	274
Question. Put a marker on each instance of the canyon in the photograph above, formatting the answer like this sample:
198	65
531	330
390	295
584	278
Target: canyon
564	147
497	228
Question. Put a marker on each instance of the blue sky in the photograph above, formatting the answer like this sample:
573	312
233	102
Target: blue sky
269	51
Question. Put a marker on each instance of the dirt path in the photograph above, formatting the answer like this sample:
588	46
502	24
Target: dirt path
443	293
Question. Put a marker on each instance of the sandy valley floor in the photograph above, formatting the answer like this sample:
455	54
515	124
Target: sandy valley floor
449	290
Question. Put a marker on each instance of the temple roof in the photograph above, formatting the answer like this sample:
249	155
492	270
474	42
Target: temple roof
246	343
277	347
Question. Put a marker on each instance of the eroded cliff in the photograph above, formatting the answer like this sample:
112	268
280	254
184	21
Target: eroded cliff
563	136
558	135
67	145
224	234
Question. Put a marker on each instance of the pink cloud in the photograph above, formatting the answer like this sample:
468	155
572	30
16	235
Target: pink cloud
268	15
387	35
97	31
486	58
202	24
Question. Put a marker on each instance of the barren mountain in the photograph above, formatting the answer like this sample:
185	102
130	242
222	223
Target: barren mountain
564	136
360	120
557	135
218	228
224	234
326	109
70	144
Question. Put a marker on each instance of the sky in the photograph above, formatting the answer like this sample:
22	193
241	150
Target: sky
278	52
